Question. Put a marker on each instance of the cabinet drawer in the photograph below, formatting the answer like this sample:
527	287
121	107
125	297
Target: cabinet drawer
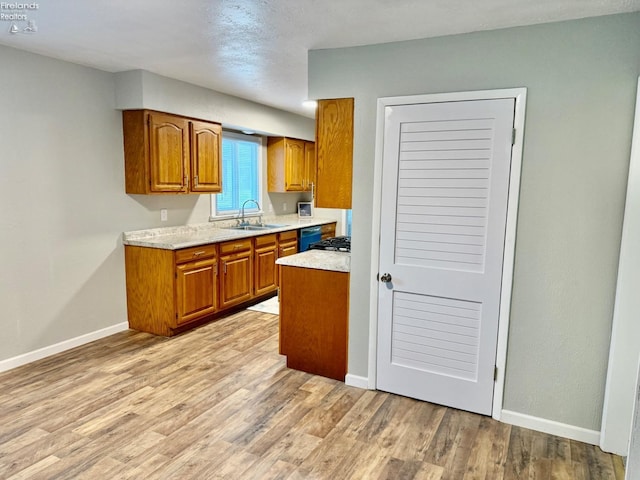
265	240
328	228
287	248
235	246
195	253
290	235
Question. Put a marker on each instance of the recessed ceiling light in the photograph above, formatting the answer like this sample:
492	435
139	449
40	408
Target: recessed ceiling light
248	132
310	104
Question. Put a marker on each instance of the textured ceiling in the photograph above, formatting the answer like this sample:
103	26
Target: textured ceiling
257	49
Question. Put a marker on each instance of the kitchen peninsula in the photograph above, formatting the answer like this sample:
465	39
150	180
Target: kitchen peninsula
314	311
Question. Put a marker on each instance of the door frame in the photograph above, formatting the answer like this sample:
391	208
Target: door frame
520	96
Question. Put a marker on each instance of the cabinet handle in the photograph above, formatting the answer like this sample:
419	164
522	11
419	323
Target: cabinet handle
186	181
224	265
195	181
197	254
215	269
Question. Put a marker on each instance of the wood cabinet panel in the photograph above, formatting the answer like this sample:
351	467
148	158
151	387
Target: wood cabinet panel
195	253
264	261
150	289
288	236
265	240
168	152
196	287
294	165
328	230
235	246
288	164
309	165
287	245
206	157
236	279
314	311
334	153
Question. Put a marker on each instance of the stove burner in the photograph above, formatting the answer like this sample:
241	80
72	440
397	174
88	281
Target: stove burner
336	244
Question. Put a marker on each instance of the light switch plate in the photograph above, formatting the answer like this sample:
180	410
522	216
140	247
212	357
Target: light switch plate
163	214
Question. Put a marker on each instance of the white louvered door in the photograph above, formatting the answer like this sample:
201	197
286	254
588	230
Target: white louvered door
445	187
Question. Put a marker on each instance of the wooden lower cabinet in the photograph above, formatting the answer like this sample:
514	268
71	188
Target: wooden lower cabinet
236	272
265	254
196	287
167	289
314	313
287	245
328	230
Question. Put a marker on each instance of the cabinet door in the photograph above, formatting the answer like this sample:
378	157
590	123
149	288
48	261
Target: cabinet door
206	157
236	279
195	289
309	165
168	153
265	270
294	165
334	153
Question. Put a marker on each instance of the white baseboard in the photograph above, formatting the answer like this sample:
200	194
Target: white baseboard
41	353
549	426
356	381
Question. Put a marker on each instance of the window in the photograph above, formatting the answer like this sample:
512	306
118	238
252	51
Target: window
241	160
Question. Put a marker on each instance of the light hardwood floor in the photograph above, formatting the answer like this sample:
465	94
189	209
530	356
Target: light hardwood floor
218	402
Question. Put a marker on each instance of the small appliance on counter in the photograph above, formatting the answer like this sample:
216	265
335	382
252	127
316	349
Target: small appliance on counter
336	244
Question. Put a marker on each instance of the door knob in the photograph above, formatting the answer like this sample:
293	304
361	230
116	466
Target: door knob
385	277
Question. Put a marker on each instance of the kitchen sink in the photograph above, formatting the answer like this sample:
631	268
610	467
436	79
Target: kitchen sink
262	226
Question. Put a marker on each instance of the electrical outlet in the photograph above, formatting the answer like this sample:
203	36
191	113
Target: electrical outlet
284	206
163	214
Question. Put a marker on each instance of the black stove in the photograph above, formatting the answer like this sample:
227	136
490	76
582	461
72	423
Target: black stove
336	244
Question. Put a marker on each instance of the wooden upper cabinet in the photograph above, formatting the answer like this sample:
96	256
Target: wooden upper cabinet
294	165
287	165
310	164
167	153
334	153
206	157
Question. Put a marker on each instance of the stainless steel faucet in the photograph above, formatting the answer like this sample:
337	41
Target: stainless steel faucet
242	221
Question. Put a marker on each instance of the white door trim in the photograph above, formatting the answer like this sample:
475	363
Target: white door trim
520	95
617	411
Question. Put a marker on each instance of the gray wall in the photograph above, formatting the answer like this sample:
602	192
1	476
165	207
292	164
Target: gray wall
581	79
63	203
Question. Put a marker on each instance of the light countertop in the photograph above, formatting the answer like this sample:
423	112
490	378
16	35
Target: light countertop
175	238
319	260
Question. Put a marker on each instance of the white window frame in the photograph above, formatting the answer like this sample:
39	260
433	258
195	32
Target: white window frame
259	141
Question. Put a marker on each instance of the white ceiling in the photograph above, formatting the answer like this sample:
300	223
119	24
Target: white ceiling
257	49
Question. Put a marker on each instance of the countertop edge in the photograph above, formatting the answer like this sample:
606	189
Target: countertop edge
206	234
318	260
